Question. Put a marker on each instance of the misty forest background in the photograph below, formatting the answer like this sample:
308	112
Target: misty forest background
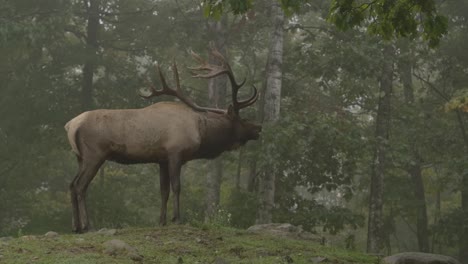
344	113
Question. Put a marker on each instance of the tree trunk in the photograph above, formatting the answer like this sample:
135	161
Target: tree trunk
414	166
271	111
217	95
252	176
463	243
252	179
438	208
464	229
92	30
239	169
375	233
421	210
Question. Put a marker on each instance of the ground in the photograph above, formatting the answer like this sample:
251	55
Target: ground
172	244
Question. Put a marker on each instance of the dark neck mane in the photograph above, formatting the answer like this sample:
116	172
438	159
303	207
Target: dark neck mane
217	135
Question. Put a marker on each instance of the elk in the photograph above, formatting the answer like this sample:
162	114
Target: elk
167	133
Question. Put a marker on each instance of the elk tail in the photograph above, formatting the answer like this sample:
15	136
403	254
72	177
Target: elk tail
72	132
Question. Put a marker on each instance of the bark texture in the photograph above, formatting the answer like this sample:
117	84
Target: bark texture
375	233
271	111
464	230
414	166
92	31
463	243
216	95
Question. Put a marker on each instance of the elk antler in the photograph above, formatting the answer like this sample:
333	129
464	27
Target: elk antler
176	92
207	70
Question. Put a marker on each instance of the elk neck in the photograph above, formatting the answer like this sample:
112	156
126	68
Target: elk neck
217	135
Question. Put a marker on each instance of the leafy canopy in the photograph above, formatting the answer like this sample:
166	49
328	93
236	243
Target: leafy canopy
387	18
391	18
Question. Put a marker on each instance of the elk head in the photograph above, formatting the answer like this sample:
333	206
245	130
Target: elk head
243	129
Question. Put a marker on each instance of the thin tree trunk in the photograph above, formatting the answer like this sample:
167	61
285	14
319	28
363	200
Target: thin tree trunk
92	30
252	179
271	111
463	243
252	176
436	219
463	234
414	166
239	169
217	94
421	210
375	233
213	187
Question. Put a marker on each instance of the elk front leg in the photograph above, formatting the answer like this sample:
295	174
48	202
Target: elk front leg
164	186
174	173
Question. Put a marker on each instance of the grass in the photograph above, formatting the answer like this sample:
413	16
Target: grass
174	244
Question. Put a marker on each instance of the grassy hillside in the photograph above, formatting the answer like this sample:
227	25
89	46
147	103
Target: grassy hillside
173	244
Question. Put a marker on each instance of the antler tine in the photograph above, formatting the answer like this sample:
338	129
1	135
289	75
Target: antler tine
165	89
199	59
251	100
152	88
220	57
155	92
176	75
177	92
210	70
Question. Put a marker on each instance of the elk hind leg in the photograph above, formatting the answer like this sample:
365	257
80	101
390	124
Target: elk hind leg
80	185
164	185
74	200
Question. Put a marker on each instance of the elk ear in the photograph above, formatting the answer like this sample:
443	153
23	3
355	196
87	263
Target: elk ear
230	111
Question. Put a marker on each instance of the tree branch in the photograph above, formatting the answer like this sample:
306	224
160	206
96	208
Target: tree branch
432	86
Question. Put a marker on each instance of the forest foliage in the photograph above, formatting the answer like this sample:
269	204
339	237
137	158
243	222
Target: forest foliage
322	146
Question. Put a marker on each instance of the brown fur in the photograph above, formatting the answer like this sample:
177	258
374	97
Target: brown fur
167	133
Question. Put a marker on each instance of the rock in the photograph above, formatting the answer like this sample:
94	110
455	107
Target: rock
419	258
201	241
119	247
30	237
219	260
115	246
6	239
286	228
288	259
136	257
51	234
107	232
318	260
283	230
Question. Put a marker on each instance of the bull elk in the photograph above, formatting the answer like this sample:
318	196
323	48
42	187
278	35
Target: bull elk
167	133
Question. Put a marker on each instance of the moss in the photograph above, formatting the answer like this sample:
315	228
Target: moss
172	244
